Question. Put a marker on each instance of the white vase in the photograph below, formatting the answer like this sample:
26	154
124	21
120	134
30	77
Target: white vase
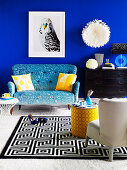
99	58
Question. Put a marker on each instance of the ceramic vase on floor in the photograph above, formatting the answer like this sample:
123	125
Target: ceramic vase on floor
99	58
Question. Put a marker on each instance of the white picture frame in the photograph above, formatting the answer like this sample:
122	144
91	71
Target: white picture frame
46	34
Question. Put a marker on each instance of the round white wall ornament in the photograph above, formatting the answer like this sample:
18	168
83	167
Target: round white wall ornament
96	33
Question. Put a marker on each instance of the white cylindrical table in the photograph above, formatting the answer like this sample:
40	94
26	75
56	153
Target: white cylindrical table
7	105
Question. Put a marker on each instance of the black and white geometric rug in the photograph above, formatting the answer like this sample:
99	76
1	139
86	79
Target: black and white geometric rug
53	140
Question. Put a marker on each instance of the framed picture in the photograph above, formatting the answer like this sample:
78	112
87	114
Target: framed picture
46	34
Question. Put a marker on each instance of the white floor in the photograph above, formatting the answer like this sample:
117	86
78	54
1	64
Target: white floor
7	124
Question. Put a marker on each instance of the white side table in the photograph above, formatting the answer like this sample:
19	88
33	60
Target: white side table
7	105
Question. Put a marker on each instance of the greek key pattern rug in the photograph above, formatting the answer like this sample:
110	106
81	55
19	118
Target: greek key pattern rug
53	140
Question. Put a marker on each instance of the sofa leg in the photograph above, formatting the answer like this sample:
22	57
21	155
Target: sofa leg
19	107
69	106
11	110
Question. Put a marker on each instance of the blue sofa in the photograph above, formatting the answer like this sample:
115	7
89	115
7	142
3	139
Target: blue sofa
44	78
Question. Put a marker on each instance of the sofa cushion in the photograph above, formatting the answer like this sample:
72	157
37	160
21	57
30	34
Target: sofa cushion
23	82
45	97
44	76
65	82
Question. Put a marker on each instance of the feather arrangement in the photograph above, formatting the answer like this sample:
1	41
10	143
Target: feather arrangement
96	33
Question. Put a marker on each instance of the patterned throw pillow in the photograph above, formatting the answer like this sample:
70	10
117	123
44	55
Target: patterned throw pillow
23	82
65	82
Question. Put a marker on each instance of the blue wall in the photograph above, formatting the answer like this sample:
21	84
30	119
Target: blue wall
14	32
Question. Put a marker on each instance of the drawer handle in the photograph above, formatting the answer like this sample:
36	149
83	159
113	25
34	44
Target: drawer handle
121	74
121	82
121	90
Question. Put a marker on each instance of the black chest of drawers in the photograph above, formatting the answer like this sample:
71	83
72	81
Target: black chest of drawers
106	83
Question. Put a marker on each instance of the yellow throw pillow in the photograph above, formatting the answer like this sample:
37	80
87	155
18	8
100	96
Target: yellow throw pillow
23	82
65	82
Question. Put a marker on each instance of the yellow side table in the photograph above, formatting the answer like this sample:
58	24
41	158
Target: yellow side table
80	117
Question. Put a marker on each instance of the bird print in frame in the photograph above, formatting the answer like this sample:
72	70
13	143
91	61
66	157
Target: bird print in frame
48	37
46	34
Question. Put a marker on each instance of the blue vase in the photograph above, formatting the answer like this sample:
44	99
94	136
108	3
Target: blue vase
88	101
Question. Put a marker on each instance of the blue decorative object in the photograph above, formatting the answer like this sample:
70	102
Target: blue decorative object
33	121
42	120
36	121
88	99
10	98
121	61
44	78
83	105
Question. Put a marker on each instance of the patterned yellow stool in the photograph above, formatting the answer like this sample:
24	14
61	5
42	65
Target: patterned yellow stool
80	117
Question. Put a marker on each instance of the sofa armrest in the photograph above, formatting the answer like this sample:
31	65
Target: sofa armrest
11	87
76	90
